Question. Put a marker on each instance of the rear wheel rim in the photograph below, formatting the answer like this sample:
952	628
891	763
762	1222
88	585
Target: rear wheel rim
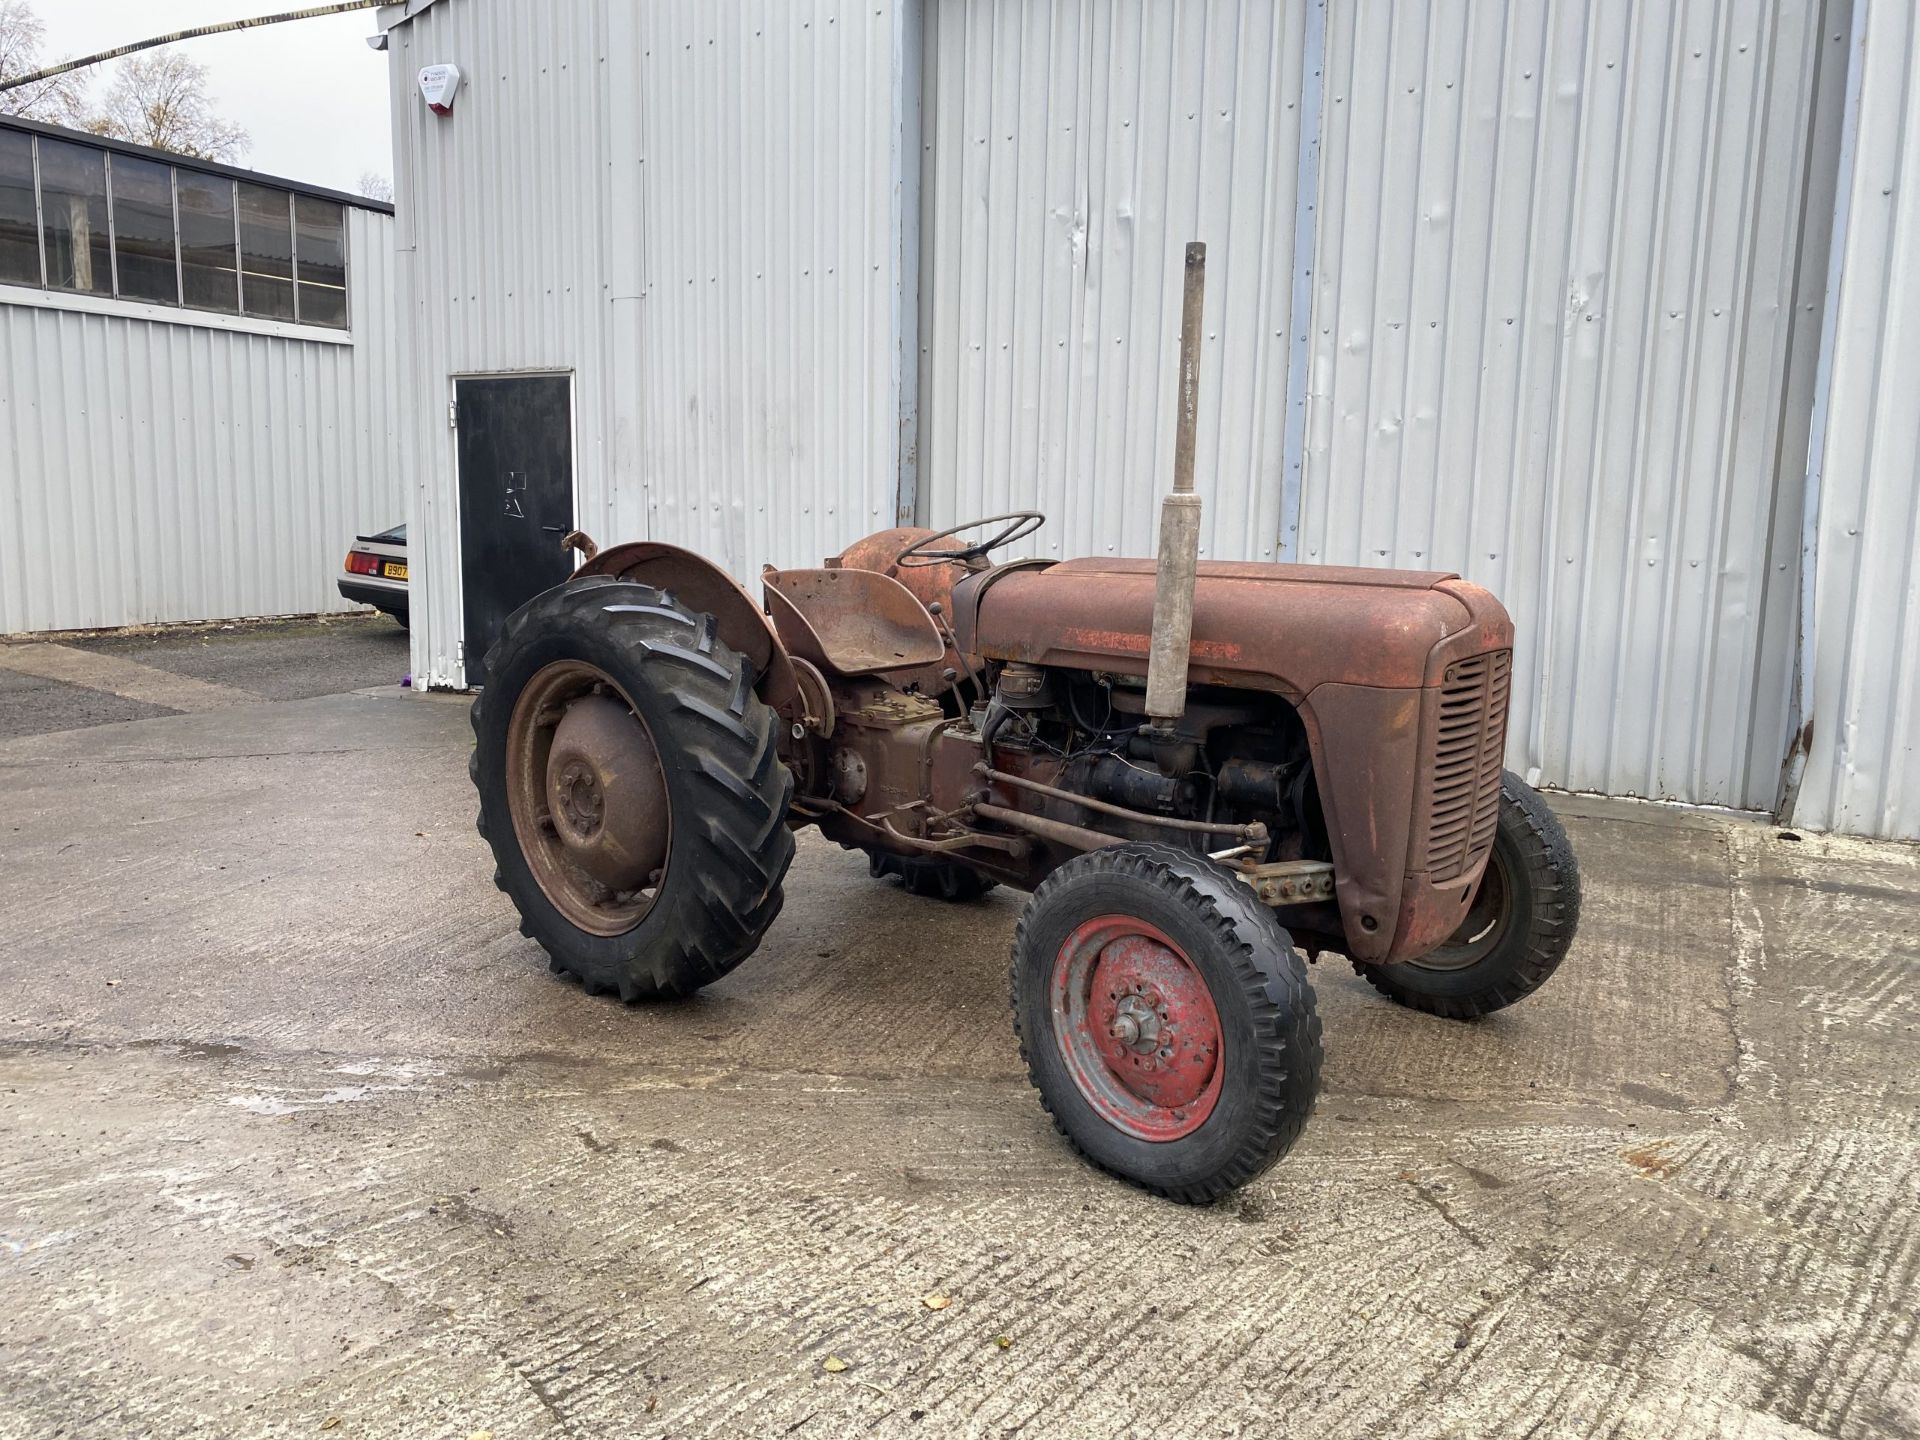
1485	926
587	797
1136	1028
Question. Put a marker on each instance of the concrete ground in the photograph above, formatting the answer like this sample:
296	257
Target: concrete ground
297	1135
71	681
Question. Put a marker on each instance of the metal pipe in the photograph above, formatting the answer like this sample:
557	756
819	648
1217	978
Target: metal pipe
224	27
1255	833
1179	557
884	826
1078	836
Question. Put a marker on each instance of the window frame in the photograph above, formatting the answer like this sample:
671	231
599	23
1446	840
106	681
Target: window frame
113	302
39	222
39	214
106	199
180	248
346	262
292	278
179	300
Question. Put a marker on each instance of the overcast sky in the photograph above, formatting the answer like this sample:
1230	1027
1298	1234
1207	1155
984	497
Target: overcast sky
310	92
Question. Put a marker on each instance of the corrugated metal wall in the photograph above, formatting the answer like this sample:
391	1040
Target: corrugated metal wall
506	254
1862	773
769	365
1565	295
1556	349
695	209
1072	148
157	470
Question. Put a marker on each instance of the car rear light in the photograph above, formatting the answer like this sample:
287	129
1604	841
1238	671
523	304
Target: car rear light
361	563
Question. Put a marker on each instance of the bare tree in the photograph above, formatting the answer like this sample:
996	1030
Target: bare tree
160	99
376	186
61	100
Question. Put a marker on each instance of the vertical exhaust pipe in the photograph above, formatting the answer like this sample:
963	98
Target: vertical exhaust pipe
1179	557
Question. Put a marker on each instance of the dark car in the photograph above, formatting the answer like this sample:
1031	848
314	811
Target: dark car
376	572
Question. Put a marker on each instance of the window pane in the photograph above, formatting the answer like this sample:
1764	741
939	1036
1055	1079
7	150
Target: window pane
143	230
266	253
73	205
19	228
206	242
323	261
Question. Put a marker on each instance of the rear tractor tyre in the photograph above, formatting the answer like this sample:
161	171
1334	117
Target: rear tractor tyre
1166	1020
925	875
1517	930
630	789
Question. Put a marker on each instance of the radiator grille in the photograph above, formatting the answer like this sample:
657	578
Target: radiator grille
1471	738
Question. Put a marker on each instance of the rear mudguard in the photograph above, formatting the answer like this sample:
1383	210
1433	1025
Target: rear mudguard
702	585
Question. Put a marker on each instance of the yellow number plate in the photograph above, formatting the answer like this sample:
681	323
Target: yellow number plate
394	569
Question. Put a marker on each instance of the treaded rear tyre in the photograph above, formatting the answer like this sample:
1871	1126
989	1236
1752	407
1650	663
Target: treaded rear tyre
925	875
727	791
1532	926
1268	1031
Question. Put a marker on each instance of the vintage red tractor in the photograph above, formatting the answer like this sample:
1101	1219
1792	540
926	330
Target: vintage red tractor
1194	768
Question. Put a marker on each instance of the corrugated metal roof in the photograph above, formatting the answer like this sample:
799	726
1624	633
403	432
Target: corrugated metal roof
387	17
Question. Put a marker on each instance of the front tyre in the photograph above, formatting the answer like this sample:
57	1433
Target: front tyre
1165	1019
1517	930
630	789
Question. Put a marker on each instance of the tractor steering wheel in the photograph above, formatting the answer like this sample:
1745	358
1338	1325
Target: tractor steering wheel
1023	523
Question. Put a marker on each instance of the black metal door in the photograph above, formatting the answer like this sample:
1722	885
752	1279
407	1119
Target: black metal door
515	442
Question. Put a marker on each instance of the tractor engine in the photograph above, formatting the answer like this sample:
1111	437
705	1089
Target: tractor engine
1236	758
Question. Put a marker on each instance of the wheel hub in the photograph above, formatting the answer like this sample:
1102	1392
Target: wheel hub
1135	1024
579	806
1486	922
605	793
588	797
1137	1028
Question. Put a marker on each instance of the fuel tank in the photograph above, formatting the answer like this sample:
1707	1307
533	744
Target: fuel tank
1400	679
1284	628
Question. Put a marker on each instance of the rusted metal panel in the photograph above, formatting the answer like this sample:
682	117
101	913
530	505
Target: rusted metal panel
851	622
706	589
1401	680
1285	628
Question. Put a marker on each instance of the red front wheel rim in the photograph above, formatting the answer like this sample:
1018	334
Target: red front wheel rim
1136	1028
